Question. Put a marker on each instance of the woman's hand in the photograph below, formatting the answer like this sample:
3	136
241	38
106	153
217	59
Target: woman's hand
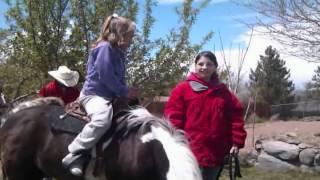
234	150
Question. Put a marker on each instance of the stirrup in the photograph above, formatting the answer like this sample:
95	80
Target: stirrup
76	169
70	159
74	163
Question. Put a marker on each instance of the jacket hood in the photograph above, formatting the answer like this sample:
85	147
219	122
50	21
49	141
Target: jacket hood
213	82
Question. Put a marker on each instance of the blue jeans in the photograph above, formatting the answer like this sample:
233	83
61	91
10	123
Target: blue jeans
211	173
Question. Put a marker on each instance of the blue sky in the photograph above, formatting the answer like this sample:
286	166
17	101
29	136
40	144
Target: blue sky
221	16
3	9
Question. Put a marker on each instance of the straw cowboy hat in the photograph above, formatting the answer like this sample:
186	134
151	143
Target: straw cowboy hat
65	76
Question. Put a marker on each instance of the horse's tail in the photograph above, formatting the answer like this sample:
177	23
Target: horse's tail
4	176
182	163
1	119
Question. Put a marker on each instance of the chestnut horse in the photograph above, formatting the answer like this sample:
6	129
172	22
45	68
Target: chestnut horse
144	148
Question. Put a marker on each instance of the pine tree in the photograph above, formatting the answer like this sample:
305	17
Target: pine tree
270	81
313	87
316	79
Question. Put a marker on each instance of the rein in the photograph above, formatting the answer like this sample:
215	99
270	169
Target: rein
233	162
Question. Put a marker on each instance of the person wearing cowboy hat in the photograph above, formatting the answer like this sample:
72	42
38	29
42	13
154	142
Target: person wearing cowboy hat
63	85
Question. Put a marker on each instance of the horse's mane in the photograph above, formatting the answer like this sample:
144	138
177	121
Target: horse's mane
173	141
37	102
140	118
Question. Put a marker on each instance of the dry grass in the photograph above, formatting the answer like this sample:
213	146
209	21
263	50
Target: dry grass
258	174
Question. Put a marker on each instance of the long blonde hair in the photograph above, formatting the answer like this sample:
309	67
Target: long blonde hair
114	29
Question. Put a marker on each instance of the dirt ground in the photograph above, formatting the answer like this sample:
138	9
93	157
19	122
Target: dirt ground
306	131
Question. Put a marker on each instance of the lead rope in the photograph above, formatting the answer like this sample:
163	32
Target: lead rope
233	175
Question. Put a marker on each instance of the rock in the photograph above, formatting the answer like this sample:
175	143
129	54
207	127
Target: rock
287	139
280	137
305	168
281	150
271	163
274	117
291	134
317	161
316	134
258	146
317	169
304	146
307	156
311	118
248	157
293	141
262	137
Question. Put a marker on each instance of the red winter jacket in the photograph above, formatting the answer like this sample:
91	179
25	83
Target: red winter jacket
52	89
210	115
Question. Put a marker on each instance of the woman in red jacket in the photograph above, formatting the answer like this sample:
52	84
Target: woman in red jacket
209	113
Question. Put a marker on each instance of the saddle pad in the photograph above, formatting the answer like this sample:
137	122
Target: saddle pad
60	121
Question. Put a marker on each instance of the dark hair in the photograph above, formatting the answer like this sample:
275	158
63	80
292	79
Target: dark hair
209	55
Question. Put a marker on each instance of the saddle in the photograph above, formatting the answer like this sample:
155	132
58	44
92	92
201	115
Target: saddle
76	110
75	118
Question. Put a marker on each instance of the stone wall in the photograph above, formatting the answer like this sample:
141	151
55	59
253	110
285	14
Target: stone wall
282	153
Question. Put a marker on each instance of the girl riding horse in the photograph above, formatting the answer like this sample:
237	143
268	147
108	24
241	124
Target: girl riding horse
144	148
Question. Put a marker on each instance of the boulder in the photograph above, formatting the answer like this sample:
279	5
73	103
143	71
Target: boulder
317	161
304	146
292	139
307	156
248	157
316	134
271	163
281	150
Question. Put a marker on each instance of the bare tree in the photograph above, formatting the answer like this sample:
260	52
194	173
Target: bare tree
293	23
233	78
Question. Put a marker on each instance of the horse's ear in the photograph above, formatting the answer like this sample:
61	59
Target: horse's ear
123	103
133	101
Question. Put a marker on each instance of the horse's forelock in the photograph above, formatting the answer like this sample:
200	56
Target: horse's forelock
38	102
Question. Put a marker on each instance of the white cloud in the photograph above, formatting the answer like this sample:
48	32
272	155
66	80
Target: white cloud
238	17
301	71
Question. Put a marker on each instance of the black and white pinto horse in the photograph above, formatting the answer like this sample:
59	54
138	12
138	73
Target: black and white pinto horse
145	148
